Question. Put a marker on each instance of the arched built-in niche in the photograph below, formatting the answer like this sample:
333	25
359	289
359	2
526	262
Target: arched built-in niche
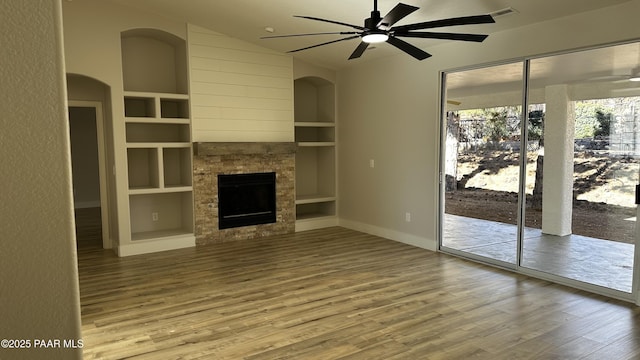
153	61
158	140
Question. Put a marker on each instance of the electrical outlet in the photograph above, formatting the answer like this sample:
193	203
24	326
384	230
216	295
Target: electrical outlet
407	217
154	216
372	163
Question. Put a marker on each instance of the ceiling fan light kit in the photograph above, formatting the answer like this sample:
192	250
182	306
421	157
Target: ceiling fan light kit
375	37
379	29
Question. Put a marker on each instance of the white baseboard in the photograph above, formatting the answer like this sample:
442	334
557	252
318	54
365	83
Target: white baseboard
404	238
317	223
151	246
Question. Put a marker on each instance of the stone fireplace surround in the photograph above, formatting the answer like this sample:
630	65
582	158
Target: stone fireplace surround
213	158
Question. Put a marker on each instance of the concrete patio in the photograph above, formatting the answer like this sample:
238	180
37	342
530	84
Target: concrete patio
594	261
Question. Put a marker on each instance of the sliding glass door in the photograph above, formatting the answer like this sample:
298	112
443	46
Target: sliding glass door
482	162
582	216
548	191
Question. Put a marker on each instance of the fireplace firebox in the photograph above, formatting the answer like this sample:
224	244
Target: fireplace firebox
246	199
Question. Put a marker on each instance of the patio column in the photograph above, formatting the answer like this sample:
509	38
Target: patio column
557	195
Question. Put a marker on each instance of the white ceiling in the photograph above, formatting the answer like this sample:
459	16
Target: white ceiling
247	19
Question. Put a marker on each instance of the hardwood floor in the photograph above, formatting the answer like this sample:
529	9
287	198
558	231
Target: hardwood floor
337	294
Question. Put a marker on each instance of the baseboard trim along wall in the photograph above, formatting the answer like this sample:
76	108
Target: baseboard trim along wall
394	235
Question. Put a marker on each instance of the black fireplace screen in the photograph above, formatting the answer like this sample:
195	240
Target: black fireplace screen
246	199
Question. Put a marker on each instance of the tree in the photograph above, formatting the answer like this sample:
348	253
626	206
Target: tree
497	125
603	128
536	126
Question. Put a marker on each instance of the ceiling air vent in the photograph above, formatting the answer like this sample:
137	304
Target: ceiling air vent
503	12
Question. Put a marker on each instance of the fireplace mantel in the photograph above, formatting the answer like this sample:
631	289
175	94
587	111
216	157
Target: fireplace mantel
242	148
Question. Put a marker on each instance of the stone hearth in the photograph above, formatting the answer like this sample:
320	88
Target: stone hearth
212	159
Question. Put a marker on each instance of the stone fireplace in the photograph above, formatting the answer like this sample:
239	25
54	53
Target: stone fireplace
213	159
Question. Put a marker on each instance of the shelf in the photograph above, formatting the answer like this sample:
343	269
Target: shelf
143	168
137	132
316	143
314	124
139	106
162	234
314	134
312	199
174	108
134	145
160	213
315	210
159	106
164	190
149	94
146	120
176	167
313	216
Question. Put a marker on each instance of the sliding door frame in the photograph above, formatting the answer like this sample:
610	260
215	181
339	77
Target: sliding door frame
632	296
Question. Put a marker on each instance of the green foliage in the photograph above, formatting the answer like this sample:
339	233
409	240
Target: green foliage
496	125
585	114
535	126
604	124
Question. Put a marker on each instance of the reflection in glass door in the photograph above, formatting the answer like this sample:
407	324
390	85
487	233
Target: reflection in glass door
481	165
581	216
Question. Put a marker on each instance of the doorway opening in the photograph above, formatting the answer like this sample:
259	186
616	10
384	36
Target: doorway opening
86	129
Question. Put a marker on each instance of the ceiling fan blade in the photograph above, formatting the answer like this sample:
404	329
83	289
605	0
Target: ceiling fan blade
329	21
359	50
325	43
408	48
323	33
396	14
465	20
444	36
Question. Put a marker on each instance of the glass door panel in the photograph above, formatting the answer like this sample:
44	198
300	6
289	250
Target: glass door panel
580	183
481	162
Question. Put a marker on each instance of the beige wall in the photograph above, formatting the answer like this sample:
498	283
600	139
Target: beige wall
92	31
388	111
39	297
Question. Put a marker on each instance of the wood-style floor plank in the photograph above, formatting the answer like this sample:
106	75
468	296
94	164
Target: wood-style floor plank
336	294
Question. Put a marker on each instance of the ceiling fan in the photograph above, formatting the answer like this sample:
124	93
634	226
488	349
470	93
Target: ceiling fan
379	29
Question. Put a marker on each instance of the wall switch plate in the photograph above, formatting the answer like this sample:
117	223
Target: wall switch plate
372	163
407	217
154	216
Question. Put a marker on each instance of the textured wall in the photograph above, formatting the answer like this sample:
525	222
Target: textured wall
39	297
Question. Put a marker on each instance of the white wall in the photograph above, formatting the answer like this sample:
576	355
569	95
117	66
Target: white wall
239	91
39	296
389	112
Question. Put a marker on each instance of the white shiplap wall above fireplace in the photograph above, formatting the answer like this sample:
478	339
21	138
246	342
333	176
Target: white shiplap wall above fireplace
239	92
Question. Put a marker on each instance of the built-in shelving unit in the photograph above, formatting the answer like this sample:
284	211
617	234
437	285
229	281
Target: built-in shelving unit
159	165
158	142
316	155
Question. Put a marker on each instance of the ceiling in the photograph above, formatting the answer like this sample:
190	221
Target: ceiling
247	20
607	67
